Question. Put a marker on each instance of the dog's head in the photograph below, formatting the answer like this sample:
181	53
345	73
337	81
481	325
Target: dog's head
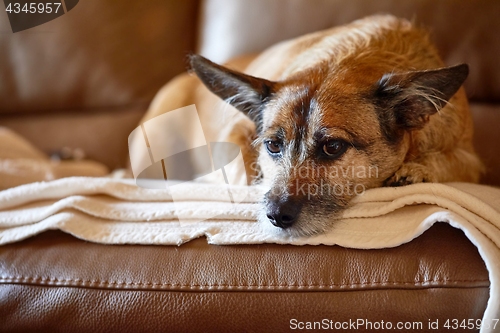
326	135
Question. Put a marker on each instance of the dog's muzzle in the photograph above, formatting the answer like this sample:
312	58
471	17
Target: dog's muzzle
283	212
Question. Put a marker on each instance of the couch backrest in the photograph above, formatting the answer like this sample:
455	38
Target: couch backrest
101	54
84	79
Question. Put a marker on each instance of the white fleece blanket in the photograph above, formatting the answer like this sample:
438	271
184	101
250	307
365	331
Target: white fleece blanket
113	211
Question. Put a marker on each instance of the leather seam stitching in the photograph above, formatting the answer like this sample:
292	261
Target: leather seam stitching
156	284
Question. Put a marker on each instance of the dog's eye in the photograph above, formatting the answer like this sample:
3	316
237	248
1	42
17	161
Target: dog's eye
334	148
273	147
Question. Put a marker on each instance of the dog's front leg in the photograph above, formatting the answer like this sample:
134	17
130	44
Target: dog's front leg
460	165
411	173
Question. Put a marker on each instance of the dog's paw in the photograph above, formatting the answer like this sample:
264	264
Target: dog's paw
411	173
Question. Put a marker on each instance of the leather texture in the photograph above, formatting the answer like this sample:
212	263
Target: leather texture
486	117
54	282
95	70
101	54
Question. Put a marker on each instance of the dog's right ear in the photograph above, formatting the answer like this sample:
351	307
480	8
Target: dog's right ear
246	93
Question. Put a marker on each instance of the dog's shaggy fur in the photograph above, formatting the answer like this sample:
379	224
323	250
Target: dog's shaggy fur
336	112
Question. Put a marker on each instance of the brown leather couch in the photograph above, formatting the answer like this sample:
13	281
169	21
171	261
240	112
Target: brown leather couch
85	79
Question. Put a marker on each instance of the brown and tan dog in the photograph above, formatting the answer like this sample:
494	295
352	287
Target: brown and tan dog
336	112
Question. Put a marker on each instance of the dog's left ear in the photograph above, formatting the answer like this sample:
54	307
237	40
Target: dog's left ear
246	93
410	98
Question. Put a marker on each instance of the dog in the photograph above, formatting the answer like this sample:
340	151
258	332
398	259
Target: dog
330	114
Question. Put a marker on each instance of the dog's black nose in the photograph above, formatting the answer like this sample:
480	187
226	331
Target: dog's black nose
283	213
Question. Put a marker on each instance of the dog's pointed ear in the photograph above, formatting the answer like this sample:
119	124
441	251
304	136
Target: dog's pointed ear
410	98
246	93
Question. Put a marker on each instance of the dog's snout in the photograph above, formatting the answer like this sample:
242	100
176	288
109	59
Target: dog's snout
283	213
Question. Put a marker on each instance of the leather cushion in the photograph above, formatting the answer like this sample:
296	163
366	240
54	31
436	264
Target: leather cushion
56	282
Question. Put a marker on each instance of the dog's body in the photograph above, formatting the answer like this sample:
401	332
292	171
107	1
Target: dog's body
339	111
